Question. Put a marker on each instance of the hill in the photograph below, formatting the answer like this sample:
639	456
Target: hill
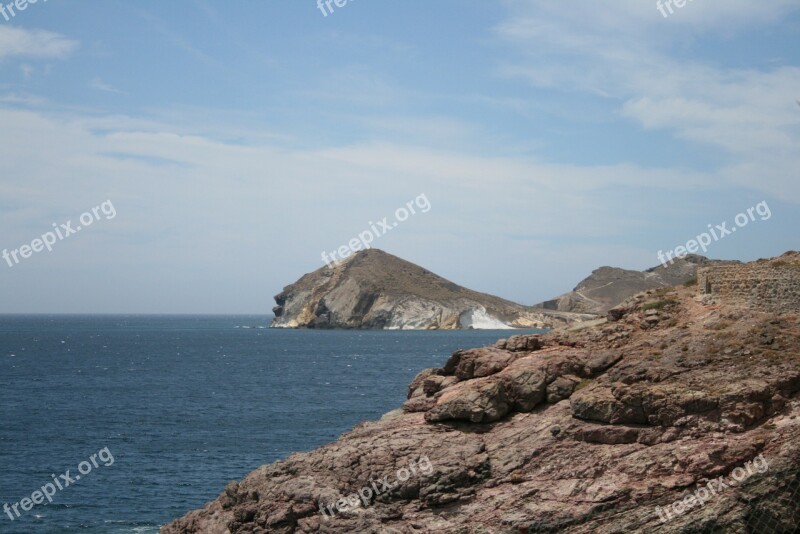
373	289
607	287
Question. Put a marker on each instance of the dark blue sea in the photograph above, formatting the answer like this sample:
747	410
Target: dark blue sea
174	407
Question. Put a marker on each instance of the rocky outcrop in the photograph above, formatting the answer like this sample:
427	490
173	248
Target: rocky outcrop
607	287
373	289
615	427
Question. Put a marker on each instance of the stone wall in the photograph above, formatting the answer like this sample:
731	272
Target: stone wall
770	285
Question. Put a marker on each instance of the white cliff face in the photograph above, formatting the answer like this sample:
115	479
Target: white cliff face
414	314
478	319
421	314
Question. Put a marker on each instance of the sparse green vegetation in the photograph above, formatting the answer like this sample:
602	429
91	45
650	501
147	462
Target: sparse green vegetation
781	263
657	305
690	283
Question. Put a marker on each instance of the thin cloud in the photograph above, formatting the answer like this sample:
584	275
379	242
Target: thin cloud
27	71
161	27
741	111
40	44
99	85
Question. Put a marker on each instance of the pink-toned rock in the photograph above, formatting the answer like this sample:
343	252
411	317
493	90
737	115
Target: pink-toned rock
477	363
477	401
588	433
525	343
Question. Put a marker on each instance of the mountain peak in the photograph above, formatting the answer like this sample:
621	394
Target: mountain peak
375	289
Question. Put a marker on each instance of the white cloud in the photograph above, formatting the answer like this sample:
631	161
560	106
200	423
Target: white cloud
41	44
625	52
623	19
99	85
241	220
123	157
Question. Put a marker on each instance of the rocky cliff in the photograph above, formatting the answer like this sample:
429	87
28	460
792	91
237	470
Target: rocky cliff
373	289
678	414
608	286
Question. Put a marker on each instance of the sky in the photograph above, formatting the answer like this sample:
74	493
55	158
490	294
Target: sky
234	142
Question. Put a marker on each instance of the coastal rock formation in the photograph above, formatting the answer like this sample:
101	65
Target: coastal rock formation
679	413
607	287
373	289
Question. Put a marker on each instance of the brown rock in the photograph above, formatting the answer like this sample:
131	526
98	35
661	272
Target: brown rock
479	401
476	363
562	388
674	407
526	343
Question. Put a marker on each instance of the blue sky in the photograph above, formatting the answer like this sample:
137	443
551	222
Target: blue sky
239	140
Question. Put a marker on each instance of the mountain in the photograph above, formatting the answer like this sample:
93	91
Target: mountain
679	413
373	289
607	287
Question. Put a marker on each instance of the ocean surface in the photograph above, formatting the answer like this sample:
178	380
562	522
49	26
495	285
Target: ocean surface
156	414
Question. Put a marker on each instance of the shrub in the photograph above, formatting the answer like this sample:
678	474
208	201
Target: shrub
657	305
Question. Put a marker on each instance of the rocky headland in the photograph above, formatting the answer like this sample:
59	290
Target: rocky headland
376	290
608	286
679	413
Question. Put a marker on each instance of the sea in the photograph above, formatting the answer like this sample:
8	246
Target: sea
120	424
